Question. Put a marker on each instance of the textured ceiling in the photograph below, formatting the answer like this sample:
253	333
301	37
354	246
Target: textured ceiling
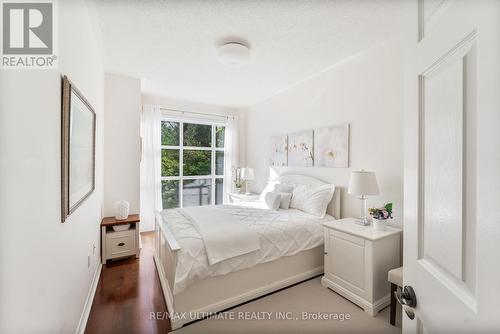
171	45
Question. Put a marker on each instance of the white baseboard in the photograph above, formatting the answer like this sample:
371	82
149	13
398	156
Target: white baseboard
88	302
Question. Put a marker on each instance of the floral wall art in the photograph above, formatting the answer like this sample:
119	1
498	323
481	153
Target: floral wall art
300	149
331	146
323	147
278	151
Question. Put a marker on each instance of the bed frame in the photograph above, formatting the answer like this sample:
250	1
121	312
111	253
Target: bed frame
215	294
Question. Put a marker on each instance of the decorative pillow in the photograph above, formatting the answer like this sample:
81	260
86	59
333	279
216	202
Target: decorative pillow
285	200
313	200
271	184
273	200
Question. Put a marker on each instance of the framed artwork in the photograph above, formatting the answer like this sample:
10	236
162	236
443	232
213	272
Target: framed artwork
300	149
331	146
78	129
278	156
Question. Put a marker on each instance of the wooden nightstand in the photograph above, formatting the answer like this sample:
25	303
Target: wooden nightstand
122	243
235	197
357	259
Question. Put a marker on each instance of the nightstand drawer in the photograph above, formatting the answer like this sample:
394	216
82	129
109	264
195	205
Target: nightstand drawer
348	237
120	244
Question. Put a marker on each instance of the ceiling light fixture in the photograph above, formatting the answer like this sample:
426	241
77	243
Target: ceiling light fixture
234	53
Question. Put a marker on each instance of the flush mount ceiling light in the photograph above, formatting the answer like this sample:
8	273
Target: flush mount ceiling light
234	53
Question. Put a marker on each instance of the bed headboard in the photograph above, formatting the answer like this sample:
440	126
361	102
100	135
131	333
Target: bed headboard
334	206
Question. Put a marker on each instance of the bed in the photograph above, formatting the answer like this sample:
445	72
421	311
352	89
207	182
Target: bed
291	250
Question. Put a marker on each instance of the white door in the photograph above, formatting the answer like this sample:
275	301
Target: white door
452	167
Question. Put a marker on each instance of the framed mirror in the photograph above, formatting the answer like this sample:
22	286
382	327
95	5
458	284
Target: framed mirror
78	127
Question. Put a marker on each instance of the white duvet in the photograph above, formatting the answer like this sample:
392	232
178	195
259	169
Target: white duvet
224	235
281	233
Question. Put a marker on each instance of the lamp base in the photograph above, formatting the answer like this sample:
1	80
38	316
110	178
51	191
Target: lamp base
247	191
363	221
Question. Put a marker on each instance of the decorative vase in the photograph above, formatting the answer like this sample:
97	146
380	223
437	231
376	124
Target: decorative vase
122	209
238	190
379	224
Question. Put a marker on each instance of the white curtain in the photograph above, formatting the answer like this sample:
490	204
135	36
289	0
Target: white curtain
150	165
231	155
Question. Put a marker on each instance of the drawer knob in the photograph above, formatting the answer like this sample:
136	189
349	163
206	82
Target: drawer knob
121	244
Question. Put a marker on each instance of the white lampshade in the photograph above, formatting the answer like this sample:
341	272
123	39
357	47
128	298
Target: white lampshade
363	182
247	173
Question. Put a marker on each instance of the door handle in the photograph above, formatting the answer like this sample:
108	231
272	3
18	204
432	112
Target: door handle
408	300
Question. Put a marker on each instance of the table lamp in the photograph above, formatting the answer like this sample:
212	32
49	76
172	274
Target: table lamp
247	175
363	183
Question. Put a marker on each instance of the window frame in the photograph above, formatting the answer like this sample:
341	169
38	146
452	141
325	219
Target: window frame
213	148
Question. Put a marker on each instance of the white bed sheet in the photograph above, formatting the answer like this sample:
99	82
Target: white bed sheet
281	233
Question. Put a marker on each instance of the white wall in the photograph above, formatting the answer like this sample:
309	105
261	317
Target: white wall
44	277
169	102
122	121
365	91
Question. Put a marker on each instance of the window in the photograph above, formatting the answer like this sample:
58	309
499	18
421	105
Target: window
192	163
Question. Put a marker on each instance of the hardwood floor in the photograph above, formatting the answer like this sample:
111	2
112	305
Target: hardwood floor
128	291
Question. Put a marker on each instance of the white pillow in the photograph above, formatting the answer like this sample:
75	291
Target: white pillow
271	184
285	200
313	200
299	196
273	200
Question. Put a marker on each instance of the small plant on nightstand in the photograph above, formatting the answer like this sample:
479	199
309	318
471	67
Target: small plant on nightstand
380	215
238	183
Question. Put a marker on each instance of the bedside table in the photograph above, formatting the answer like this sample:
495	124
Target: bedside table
357	259
118	244
235	197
